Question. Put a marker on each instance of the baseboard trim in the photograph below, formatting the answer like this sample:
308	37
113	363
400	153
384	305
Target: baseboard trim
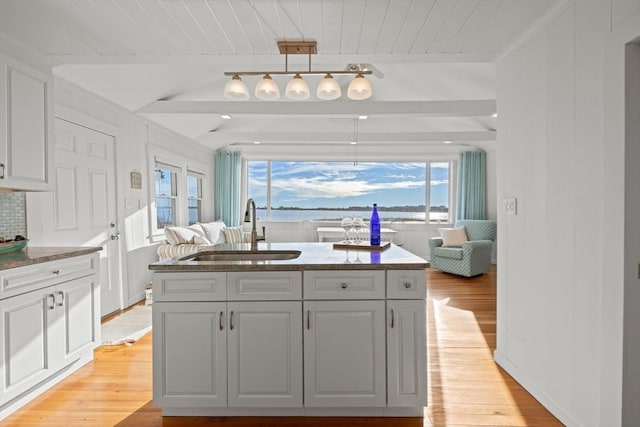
557	410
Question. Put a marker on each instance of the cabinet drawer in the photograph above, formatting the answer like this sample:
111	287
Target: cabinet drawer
346	284
24	279
264	285
406	284
191	286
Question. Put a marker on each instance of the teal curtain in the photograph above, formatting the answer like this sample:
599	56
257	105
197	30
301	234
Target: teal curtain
227	196
471	194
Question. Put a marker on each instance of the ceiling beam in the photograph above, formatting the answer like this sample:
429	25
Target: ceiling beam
478	108
268	59
344	138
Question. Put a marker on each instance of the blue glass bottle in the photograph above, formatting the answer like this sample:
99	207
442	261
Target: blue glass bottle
374	227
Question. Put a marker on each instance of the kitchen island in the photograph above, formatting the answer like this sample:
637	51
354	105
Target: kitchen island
330	332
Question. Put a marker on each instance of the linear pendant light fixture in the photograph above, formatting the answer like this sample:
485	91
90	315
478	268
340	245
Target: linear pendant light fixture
297	89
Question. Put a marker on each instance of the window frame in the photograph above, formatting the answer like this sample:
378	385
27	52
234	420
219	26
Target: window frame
183	166
435	159
175	171
199	198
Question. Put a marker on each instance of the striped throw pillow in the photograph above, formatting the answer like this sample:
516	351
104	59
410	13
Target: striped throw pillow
233	234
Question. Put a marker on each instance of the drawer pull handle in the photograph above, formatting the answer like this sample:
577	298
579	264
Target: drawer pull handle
344	285
220	320
407	285
392	319
2	173
308	319
61	303
53	301
56	272
231	320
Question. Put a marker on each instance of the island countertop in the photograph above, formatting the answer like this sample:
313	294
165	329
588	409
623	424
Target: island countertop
316	256
37	254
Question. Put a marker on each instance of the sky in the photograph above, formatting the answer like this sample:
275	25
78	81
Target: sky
343	184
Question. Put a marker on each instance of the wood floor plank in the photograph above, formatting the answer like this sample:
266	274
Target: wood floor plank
466	387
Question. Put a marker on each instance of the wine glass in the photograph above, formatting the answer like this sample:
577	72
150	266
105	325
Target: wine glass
346	224
358	223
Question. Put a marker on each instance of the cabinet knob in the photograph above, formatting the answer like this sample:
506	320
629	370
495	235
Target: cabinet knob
407	285
344	285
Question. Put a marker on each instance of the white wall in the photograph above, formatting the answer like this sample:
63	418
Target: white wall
631	367
561	153
134	136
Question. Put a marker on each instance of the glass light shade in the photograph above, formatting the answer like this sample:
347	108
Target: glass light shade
267	89
359	88
236	90
297	89
328	89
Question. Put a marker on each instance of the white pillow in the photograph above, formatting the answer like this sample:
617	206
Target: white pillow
197	240
213	231
233	234
453	236
181	235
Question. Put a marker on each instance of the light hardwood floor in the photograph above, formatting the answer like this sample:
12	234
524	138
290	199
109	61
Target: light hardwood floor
466	388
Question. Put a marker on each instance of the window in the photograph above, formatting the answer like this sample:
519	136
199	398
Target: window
295	191
194	196
166	194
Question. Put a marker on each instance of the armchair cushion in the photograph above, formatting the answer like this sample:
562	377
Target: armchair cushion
452	253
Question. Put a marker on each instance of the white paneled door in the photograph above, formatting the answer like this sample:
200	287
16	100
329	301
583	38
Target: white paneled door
82	209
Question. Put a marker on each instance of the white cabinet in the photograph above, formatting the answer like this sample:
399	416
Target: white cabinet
26	119
44	331
406	353
189	354
265	354
344	354
227	354
80	303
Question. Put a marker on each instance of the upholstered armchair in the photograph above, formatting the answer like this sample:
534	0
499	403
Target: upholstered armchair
466	258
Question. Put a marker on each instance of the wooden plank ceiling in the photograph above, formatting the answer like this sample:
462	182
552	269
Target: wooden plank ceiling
186	45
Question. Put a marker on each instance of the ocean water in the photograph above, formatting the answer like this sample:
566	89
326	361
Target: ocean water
327	215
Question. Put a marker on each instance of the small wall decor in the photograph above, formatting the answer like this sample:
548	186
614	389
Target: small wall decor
136	180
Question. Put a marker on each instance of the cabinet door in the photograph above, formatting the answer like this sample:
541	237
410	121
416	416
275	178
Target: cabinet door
189	354
406	353
79	302
344	353
26	147
25	341
265	354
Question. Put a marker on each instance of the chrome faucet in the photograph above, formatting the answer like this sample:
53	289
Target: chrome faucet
251	217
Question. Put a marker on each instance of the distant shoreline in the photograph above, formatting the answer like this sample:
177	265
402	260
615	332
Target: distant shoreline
420	208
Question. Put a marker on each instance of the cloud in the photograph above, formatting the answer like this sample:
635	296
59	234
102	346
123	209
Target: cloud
294	182
319	188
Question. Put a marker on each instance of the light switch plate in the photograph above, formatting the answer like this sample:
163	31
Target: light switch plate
510	206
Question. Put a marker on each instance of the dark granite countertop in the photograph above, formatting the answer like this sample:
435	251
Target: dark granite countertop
37	254
314	256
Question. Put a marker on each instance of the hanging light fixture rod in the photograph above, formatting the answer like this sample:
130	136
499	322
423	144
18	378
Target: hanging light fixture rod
298	89
303	47
291	73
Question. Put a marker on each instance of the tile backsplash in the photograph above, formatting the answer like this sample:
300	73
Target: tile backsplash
13	215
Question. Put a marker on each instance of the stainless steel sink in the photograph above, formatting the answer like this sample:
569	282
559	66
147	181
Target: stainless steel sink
241	256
